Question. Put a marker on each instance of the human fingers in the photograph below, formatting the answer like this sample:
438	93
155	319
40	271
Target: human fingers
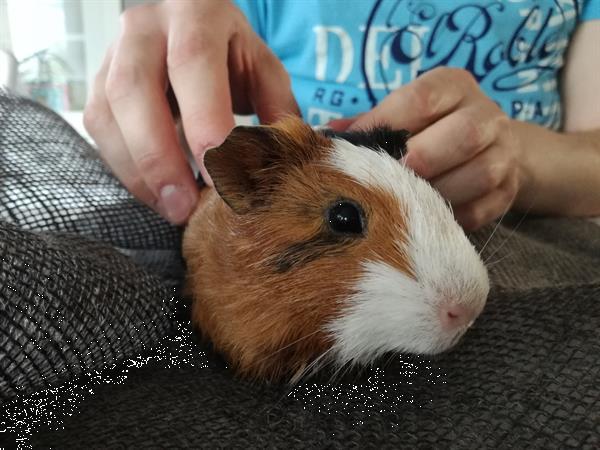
197	68
480	212
135	88
456	138
340	124
270	89
477	177
344	123
100	123
421	102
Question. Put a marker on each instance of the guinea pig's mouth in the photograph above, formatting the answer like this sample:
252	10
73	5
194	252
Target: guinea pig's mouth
444	343
444	339
457	334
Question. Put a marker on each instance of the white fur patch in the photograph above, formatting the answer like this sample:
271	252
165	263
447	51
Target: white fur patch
390	310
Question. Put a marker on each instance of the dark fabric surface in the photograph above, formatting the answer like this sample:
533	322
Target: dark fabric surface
70	304
52	180
526	375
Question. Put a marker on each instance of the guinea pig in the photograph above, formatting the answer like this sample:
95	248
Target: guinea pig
316	249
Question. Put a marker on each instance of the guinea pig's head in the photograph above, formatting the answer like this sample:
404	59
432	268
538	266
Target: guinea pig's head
348	254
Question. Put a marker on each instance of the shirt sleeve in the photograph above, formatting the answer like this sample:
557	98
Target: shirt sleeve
255	12
591	10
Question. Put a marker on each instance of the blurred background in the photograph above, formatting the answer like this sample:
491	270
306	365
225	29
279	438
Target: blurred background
50	50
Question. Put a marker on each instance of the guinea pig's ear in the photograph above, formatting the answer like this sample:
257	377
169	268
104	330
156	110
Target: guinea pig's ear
238	167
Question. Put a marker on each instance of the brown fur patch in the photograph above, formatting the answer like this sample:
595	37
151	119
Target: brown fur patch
269	323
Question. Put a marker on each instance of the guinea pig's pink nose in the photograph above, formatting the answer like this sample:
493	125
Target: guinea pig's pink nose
456	315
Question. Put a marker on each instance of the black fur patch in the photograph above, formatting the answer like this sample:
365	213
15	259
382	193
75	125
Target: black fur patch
379	138
302	253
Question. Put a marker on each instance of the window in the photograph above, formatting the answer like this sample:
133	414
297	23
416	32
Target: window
57	47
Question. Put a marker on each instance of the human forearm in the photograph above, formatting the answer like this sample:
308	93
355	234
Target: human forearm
560	172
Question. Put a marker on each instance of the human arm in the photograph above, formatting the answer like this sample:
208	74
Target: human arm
564	168
216	65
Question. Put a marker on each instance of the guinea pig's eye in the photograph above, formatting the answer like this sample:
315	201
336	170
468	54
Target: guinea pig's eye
345	217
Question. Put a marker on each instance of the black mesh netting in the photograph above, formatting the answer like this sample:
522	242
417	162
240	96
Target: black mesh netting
69	304
527	374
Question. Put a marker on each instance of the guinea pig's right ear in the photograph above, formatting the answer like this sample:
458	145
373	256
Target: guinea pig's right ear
239	168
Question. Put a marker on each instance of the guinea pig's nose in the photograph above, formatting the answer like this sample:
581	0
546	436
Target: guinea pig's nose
456	315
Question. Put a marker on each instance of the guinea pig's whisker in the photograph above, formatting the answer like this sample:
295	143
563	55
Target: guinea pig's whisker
300	376
304	373
513	231
457	337
341	371
494	230
309	370
350	367
335	374
498	260
287	346
389	360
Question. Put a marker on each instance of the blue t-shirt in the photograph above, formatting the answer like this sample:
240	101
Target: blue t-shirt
344	56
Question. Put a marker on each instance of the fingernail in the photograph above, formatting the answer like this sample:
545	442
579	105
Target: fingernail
176	202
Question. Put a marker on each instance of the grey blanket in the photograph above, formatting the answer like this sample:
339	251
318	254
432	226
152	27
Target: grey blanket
526	375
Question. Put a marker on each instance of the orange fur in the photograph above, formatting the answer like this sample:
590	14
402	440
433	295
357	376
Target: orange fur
268	323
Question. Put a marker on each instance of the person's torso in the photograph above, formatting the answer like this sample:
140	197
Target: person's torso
344	56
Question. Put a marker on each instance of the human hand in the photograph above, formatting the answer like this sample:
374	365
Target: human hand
461	142
215	64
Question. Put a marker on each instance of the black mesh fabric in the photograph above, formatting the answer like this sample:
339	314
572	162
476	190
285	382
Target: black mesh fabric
52	180
70	304
527	375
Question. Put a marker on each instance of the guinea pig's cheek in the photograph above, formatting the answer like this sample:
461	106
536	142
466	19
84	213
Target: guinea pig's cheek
386	312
